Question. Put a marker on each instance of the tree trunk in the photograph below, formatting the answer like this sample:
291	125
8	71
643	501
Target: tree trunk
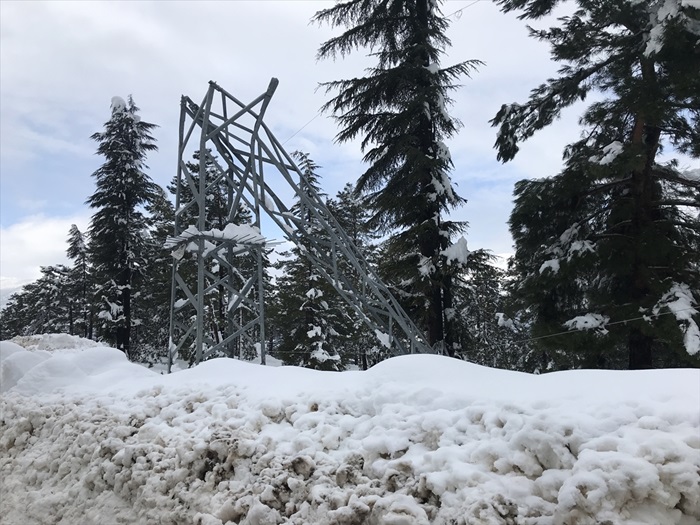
448	305
435	327
87	322
430	242
640	350
124	327
70	317
646	135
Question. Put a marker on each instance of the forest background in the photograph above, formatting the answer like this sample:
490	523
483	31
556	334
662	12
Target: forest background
484	292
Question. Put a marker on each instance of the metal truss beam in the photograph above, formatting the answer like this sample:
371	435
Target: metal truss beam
249	160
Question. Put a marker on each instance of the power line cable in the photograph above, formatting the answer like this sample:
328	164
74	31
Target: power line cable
301	128
463	8
643	317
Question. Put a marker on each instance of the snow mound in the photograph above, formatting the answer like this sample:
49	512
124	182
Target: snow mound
87	437
50	342
47	367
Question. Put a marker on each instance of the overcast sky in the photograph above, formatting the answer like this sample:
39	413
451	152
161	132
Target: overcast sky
62	62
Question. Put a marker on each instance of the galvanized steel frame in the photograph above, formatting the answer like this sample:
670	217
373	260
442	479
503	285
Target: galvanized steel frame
246	147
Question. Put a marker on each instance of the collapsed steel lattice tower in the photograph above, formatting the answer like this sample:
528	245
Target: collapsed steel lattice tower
248	159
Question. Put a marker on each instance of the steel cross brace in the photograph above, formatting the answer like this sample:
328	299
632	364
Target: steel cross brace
248	156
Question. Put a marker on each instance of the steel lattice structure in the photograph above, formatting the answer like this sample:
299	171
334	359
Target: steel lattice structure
248	159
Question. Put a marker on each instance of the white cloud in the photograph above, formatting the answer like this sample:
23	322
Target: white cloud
62	62
32	205
36	241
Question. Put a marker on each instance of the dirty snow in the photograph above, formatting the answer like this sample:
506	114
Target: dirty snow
87	437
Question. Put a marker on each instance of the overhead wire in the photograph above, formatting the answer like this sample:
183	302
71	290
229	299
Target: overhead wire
463	8
624	321
301	128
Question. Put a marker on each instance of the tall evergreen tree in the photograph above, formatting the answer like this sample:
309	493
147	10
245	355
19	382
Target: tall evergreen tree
13	316
58	302
479	299
152	301
53	304
80	283
216	211
43	306
306	313
361	344
220	195
616	235
399	111
18	313
123	189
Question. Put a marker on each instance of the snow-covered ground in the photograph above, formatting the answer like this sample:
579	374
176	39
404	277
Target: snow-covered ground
89	438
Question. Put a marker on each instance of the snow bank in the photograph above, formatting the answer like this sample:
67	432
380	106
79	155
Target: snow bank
87	437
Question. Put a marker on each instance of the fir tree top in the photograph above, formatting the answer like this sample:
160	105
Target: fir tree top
640	55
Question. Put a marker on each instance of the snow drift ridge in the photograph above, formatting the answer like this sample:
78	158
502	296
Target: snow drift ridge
87	437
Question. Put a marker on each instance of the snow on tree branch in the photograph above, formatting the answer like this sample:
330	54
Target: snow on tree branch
457	253
681	302
588	321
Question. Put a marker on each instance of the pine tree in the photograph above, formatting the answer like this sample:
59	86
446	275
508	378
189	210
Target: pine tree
54	306
306	315
43	306
217	196
123	189
18	313
80	288
13	318
399	110
615	236
479	300
361	344
151	329
218	202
